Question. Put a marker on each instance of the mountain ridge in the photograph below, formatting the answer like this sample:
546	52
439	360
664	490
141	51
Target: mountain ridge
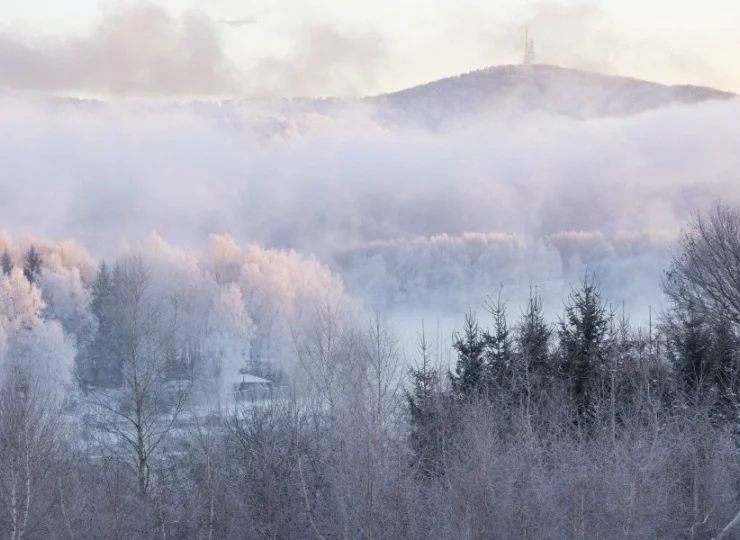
507	91
489	94
520	68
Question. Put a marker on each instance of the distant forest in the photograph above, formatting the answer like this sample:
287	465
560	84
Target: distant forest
118	418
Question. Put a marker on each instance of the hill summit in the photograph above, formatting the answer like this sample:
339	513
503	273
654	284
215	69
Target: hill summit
506	91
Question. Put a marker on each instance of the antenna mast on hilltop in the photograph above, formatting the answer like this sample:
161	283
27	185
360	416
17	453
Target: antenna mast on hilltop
529	58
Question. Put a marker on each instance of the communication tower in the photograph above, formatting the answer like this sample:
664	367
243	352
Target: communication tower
529	57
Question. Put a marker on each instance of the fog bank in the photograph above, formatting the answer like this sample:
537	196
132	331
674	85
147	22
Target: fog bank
404	217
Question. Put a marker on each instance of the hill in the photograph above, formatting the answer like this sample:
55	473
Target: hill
509	91
495	93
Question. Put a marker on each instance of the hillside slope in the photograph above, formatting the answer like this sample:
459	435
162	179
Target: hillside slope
509	91
501	92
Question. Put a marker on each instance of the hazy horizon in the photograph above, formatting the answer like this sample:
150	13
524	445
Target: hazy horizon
313	48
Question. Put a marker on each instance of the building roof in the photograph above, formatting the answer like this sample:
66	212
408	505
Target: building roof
252	379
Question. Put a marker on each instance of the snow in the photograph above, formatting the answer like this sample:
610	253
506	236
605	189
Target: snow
251	379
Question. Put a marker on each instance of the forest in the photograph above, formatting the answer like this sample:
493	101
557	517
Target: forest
118	418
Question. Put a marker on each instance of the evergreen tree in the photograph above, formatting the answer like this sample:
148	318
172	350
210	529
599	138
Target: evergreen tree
705	354
621	377
6	263
726	368
534	335
691	354
429	414
583	345
470	377
101	366
101	290
32	265
533	338
498	347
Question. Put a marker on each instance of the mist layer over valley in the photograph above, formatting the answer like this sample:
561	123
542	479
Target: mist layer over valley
407	217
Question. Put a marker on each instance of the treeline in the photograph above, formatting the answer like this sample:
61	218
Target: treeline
589	427
453	272
579	428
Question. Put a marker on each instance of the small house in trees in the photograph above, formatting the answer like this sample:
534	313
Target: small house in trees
251	388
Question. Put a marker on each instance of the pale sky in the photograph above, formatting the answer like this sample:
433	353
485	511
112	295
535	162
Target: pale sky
320	47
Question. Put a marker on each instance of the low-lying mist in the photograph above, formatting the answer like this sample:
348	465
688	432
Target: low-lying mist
427	223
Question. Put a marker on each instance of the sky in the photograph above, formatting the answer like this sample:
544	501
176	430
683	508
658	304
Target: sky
269	48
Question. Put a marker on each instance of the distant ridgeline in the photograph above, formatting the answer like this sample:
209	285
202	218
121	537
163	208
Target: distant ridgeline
497	92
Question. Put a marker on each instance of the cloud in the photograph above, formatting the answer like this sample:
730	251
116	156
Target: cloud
325	61
142	50
139	50
584	35
575	35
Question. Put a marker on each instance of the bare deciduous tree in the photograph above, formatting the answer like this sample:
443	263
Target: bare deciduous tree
380	365
324	343
705	273
29	424
135	419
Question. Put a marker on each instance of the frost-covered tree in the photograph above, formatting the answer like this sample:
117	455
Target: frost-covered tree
32	264
227	343
68	301
431	412
29	436
140	412
101	364
499	347
20	305
380	365
35	374
704	275
326	344
582	333
6	263
533	340
470	378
